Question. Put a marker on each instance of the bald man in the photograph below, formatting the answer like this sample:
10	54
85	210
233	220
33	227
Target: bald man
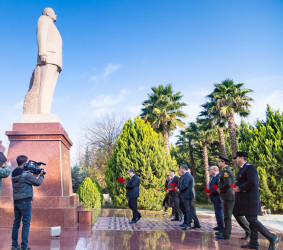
215	198
49	64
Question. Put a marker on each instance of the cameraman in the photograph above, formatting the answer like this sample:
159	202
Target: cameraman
5	168
23	181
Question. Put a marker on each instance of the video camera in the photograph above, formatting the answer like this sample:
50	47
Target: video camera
33	167
3	159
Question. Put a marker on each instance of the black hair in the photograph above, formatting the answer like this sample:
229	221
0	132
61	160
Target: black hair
173	171
21	159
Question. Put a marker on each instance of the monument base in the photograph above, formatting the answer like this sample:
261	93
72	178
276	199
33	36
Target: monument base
54	203
39	118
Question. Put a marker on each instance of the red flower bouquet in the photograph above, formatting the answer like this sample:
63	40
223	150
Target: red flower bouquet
121	180
233	185
207	190
173	185
214	186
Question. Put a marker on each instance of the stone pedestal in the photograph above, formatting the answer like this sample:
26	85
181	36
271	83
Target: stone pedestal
54	203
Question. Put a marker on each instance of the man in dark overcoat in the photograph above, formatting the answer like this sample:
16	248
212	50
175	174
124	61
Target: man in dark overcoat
226	178
187	195
174	195
248	202
215	198
132	193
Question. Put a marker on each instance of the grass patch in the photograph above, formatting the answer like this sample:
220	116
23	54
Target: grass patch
205	206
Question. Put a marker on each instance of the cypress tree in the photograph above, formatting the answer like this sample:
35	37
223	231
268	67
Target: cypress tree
141	148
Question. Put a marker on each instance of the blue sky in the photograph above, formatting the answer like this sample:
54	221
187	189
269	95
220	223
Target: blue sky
115	51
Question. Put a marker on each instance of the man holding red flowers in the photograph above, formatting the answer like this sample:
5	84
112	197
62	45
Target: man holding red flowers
248	202
132	193
215	198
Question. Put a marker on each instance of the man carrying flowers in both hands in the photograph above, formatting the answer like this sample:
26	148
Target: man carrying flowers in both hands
215	198
132	193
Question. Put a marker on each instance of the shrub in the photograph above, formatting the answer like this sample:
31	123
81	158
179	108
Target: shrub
90	193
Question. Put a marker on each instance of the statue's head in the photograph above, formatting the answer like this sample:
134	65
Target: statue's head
50	12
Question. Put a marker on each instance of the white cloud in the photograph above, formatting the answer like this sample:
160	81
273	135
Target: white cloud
110	68
108	101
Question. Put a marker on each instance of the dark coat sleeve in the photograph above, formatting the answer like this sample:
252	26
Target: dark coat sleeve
214	182
251	174
32	180
185	183
134	182
226	182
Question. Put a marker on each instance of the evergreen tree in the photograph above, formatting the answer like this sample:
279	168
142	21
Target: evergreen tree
141	148
90	193
78	176
264	142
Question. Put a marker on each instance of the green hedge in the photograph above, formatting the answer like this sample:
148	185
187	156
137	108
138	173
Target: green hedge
90	193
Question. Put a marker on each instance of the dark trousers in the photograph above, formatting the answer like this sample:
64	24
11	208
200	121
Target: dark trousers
22	212
218	209
176	207
256	227
190	212
228	210
133	205
243	223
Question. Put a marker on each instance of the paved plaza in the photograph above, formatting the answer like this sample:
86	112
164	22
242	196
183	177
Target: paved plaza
154	231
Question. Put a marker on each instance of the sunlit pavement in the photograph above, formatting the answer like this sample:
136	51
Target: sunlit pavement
154	231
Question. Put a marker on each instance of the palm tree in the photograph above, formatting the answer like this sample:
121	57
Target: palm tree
212	113
162	110
187	139
206	135
232	99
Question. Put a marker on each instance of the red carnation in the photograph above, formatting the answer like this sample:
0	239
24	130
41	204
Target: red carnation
233	185
208	191
157	189
121	180
205	187
173	189
166	189
214	186
172	184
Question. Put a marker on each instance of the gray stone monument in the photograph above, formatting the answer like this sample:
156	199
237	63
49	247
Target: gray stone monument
37	103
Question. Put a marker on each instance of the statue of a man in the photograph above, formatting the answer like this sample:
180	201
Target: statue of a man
49	64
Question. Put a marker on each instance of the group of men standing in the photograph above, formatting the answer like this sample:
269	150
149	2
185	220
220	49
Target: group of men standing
239	197
183	195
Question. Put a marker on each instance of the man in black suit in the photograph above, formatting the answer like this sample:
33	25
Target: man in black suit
174	194
187	195
215	198
248	202
132	193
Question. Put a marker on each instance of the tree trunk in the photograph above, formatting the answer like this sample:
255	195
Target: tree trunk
166	135
222	141
232	133
205	160
192	162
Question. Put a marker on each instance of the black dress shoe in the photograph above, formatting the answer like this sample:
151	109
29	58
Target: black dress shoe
246	237
182	225
132	222
196	226
216	228
222	237
175	219
249	246
139	218
273	244
186	227
218	233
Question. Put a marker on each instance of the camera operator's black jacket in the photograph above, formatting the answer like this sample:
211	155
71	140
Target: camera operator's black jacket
22	185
